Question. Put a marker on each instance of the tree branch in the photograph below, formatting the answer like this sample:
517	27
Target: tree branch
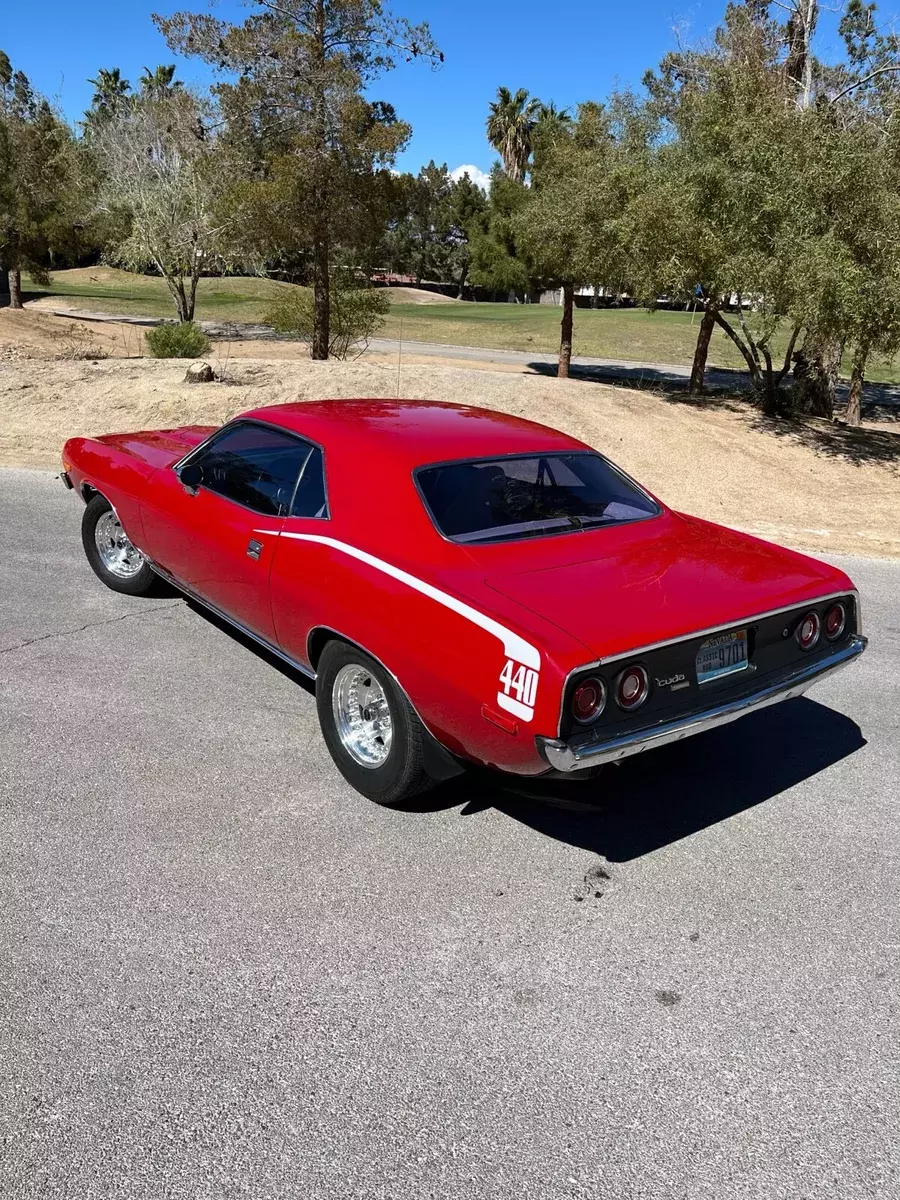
748	357
859	82
789	354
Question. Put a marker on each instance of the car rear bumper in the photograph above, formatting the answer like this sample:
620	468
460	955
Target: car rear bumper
566	757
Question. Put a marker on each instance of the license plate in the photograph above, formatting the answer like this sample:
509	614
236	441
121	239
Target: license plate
722	655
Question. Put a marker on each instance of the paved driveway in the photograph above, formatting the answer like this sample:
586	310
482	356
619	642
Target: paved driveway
227	975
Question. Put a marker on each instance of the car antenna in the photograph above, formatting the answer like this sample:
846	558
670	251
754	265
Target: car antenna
399	356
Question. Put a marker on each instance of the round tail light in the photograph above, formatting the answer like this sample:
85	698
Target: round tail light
808	631
632	688
588	700
835	622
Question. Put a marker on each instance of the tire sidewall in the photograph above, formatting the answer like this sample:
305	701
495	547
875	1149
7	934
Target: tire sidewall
384	783
137	585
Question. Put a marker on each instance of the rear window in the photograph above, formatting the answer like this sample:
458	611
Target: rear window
533	496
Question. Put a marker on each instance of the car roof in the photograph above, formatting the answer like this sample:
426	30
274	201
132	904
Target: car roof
415	432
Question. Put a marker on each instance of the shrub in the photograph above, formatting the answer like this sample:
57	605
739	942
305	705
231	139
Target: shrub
177	341
356	315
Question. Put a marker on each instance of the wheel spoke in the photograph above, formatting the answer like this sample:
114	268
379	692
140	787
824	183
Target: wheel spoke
117	553
362	715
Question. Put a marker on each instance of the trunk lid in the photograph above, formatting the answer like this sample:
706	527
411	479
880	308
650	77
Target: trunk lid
668	578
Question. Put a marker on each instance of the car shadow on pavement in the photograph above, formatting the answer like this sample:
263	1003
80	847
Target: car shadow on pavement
650	800
653	800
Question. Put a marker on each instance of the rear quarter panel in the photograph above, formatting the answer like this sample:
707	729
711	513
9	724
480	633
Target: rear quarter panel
483	692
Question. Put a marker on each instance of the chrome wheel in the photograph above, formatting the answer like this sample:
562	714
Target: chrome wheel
117	554
362	715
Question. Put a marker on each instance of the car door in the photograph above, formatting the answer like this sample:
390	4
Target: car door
207	536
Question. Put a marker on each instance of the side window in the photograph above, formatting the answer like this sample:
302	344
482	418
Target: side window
254	466
309	500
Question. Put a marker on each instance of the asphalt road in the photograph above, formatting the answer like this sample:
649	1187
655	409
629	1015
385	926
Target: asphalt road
225	974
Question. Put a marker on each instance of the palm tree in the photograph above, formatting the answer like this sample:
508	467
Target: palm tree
556	120
510	125
110	90
159	82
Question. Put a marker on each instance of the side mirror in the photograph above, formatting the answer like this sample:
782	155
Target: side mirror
191	476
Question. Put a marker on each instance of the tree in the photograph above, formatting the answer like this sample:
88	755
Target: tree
39	186
726	209
468	206
298	104
430	223
495	260
111	94
510	125
550	125
569	226
166	173
159	82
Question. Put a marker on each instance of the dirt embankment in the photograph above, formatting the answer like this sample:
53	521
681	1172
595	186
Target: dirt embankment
810	485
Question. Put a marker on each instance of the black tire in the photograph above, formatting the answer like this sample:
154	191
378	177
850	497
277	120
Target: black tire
141	583
403	774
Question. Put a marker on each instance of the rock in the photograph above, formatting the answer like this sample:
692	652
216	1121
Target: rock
199	372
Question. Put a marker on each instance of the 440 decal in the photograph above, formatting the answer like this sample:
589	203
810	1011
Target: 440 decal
519	686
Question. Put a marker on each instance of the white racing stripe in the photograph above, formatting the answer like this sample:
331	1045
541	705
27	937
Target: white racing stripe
514	646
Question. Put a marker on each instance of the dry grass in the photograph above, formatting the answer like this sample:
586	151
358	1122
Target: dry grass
804	485
414	295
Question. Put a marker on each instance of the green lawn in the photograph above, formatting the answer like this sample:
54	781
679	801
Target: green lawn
106	289
635	334
631	333
627	333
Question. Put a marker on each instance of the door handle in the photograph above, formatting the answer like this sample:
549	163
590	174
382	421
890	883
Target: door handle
254	548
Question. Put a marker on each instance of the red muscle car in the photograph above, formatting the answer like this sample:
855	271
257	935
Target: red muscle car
463	586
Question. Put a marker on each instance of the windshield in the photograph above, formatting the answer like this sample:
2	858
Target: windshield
529	496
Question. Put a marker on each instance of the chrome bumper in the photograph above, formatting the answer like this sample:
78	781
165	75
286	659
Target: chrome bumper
563	756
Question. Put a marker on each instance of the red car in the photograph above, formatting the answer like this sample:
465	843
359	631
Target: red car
463	586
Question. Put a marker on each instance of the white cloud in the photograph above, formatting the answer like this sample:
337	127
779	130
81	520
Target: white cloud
474	173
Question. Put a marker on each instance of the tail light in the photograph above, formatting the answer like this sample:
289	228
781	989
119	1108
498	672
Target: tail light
808	631
588	700
835	622
632	688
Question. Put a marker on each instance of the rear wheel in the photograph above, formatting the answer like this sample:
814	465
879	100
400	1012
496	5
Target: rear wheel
369	726
112	555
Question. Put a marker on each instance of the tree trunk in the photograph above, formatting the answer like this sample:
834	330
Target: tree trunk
857	379
321	338
815	376
181	301
770	395
461	283
321	299
701	351
15	289
565	340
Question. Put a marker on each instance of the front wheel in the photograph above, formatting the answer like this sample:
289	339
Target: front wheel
111	553
369	726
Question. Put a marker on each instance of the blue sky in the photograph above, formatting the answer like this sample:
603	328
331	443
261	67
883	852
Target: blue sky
566	51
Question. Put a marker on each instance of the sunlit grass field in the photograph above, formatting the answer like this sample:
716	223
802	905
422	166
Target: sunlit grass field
633	334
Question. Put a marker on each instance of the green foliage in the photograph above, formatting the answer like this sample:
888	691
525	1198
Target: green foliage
430	229
296	80
496	260
356	315
570	225
185	340
510	126
42	196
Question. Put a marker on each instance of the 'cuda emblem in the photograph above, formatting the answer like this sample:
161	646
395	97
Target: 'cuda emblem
671	681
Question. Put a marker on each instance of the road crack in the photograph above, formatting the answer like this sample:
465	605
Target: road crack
61	633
